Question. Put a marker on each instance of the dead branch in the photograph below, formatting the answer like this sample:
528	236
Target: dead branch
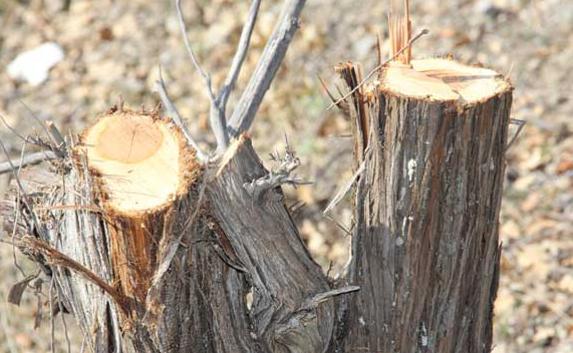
55	257
267	67
239	57
217	117
29	159
173	113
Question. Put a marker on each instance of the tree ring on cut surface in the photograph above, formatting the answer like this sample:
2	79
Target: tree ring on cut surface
141	160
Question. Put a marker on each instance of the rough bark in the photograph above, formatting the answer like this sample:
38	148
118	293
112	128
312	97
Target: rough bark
286	283
425	249
178	278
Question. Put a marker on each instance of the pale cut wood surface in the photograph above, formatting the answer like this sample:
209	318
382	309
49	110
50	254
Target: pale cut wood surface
441	80
138	159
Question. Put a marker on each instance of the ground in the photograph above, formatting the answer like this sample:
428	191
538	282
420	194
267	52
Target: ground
113	50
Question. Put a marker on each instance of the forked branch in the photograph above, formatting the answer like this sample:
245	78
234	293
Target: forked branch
217	117
251	98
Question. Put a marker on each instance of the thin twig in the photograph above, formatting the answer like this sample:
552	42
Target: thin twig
183	29
339	225
16	215
240	55
217	118
365	79
267	67
29	159
173	113
65	325
12	130
57	139
520	125
11	168
52	326
33	115
56	258
344	189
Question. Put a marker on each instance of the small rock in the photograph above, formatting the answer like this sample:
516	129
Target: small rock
32	66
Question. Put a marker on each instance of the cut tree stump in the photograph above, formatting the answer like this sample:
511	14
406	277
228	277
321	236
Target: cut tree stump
143	171
432	136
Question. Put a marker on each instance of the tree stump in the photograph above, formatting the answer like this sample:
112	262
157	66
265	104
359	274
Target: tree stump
432	136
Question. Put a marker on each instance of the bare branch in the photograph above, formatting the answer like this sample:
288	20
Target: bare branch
218	123
55	257
344	189
217	117
32	158
240	55
172	112
267	67
183	29
34	116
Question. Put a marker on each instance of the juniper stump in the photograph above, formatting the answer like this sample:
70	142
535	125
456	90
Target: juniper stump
432	135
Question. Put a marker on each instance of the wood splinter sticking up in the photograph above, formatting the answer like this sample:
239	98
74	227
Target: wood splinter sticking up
432	78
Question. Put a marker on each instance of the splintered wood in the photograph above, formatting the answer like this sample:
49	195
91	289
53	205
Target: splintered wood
400	31
434	78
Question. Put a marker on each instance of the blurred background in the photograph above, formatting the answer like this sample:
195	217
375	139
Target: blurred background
87	55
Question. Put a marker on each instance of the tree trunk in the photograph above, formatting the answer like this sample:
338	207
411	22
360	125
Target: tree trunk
425	250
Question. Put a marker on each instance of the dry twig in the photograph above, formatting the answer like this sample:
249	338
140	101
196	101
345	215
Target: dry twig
380	66
173	113
240	55
217	117
273	54
28	159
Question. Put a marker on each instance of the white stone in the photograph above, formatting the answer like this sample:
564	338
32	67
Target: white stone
33	66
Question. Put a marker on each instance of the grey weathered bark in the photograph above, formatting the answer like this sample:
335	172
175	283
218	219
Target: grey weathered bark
425	250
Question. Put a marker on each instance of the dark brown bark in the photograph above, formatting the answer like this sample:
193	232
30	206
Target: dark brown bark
425	250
